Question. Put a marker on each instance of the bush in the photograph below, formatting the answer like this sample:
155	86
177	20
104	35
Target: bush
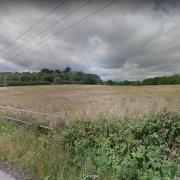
140	149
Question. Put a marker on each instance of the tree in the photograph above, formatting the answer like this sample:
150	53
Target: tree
57	71
67	69
110	82
48	71
57	80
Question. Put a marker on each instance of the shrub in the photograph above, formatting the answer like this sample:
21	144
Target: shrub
136	149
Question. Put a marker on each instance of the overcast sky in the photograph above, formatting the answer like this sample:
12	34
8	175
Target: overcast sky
129	40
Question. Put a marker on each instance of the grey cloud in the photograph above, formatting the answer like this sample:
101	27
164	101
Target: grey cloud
130	40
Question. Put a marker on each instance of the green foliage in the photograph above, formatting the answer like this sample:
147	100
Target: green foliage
146	148
175	79
47	77
67	76
164	80
140	149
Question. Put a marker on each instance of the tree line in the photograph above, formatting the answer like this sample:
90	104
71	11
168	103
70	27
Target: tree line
163	80
48	77
67	76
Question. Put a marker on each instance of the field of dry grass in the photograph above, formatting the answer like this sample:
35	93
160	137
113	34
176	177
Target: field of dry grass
89	101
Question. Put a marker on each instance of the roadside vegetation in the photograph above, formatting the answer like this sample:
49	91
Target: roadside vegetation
140	148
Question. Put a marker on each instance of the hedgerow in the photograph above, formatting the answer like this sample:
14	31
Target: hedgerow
147	148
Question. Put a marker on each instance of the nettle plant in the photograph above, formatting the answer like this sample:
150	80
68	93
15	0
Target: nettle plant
126	149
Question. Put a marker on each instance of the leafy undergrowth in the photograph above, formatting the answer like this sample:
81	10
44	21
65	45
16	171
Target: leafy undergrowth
122	149
146	148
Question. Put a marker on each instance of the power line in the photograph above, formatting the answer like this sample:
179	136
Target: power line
69	27
52	25
35	24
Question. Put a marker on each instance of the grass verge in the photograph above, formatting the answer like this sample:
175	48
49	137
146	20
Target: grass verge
146	148
40	155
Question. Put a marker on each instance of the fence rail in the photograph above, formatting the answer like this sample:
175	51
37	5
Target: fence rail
44	120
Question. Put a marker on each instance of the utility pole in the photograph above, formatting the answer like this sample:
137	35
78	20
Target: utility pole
99	79
5	81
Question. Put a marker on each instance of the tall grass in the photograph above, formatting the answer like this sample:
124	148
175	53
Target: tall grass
41	155
89	101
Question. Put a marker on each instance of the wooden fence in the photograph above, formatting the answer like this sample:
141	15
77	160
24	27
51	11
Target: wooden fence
44	120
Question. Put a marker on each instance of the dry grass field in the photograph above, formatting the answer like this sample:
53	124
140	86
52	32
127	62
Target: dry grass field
78	101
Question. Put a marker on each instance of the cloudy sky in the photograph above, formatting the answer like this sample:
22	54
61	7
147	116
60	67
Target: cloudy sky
128	40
